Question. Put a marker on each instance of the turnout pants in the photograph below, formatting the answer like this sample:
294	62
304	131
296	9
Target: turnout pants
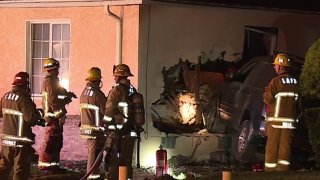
16	159
94	147
49	157
125	159
278	149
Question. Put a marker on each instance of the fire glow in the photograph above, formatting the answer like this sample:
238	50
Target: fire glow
64	83
187	108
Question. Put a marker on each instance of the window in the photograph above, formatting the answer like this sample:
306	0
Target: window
48	39
259	41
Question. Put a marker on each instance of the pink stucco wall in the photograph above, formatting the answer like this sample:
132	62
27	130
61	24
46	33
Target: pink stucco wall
93	43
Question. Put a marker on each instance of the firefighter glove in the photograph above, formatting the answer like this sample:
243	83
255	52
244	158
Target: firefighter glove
69	97
72	95
41	122
138	128
62	120
41	112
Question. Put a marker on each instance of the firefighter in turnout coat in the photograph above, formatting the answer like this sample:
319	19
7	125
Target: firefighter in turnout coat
54	100
19	115
118	112
93	105
280	97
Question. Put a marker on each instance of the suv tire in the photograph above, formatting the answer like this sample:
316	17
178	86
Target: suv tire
242	144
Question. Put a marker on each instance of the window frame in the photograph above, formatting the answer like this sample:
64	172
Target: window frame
29	45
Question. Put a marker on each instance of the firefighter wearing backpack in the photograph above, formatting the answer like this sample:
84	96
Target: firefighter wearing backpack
93	106
19	115
119	113
280	97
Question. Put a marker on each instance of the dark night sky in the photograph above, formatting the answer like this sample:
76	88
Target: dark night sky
306	6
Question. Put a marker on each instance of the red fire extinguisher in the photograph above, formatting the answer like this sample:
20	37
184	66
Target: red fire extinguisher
161	162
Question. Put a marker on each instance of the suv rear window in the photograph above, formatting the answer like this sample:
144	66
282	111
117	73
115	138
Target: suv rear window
260	75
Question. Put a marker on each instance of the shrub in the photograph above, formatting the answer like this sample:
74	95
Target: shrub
309	87
312	116
310	74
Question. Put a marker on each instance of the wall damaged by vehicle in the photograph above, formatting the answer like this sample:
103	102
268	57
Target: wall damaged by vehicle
188	102
172	31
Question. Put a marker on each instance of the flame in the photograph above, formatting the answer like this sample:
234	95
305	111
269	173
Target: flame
187	108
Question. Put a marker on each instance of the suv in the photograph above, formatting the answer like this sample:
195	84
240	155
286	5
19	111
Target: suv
241	105
231	104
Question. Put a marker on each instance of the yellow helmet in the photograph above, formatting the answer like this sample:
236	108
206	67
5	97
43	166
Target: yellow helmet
282	60
50	63
94	73
122	70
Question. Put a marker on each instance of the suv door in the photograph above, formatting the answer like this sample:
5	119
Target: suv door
248	106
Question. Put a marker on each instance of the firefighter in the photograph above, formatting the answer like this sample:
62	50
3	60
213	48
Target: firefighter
54	100
93	106
19	115
118	112
280	97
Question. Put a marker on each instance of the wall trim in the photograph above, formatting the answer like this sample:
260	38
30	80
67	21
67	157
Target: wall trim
65	3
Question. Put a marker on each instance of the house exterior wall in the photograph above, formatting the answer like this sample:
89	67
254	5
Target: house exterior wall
154	36
93	43
171	31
